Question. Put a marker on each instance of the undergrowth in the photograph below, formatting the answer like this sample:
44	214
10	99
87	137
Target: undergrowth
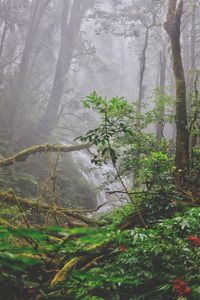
140	263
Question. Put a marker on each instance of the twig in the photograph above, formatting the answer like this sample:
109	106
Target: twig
21	210
91	210
131	193
31	241
187	193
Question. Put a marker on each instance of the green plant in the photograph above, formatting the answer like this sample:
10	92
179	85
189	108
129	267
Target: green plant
122	137
145	264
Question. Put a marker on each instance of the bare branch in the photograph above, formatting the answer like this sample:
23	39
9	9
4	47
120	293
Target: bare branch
24	154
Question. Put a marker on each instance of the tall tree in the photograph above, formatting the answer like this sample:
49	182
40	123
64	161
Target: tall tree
71	20
36	13
172	26
142	70
148	21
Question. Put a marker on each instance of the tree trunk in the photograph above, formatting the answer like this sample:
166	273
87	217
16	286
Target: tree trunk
19	115
142	70
193	39
186	49
163	64
69	33
5	28
172	26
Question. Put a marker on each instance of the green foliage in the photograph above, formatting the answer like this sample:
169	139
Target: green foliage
28	257
99	104
195	166
143	264
117	215
163	106
135	153
10	213
161	197
147	264
108	263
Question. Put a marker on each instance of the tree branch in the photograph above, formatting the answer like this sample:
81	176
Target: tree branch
24	154
32	203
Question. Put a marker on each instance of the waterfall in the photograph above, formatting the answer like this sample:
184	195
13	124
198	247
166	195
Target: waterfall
97	175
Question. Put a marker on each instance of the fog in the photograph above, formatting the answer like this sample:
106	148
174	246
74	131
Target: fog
53	53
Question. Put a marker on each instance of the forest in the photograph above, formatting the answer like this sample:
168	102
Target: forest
99	149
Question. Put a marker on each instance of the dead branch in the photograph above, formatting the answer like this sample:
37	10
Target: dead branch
24	154
21	210
130	193
91	210
33	204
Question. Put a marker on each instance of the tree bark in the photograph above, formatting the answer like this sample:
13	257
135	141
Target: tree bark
163	64
186	49
172	26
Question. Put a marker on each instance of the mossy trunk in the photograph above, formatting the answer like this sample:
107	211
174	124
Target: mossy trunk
162	66
172	26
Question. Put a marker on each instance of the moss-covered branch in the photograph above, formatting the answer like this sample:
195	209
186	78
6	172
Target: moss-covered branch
7	224
24	154
31	203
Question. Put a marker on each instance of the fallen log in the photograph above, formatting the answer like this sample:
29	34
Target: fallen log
33	204
24	154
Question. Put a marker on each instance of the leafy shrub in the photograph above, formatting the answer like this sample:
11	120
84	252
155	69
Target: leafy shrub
122	137
145	263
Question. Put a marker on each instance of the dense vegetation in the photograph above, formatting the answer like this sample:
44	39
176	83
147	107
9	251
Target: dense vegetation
134	264
149	250
58	240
